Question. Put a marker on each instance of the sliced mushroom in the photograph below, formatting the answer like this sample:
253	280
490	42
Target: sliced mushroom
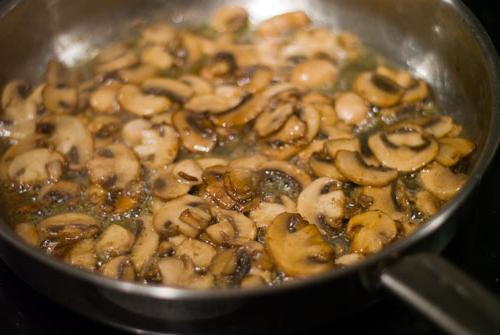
334	146
223	99
370	231
199	85
187	215
252	162
400	77
255	78
354	168
322	166
348	259
180	272
311	116
286	142
207	163
403	148
19	110
28	233
82	255
188	172
384	200
453	149
119	268
133	100
297	247
248	110
231	228
145	245
35	166
105	99
71	138
156	145
314	73
174	89
283	23
278	178
199	252
441	181
265	213
62	100
20	147
105	129
166	185
114	241
59	192
159	33
378	90
157	56
114	58
438	126
229	19
351	108
322	203
416	93
196	131
113	166
426	203
272	119
137	74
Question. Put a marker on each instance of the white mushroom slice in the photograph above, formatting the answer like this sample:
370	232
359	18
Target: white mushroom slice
20	147
441	181
229	19
265	213
453	149
437	126
167	186
378	90
370	231
311	116
159	33
105	99
174	89
114	241
334	146
207	163
113	166
133	100
179	272
156	145
322	167
223	99
416	93
146	244
297	247
114	58
71	138
314	73
19	111
426	203
68	227
384	200
322	203
58	192
351	108
400	77
199	85
283	23
255	78
231	228
200	253
196	131
314	147
188	172
119	268
187	215
408	151
157	56
137	74
35	166
248	110
354	168
348	259
82	255
28	233
61	100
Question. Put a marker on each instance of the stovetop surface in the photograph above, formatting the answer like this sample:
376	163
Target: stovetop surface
476	250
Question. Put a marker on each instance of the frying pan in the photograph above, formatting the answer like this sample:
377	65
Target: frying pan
439	40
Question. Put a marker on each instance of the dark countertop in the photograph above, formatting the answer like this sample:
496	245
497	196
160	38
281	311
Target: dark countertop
476	250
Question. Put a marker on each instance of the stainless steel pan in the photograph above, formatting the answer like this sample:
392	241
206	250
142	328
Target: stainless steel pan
438	39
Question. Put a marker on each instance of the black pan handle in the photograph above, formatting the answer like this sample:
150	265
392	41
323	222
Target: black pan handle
444	294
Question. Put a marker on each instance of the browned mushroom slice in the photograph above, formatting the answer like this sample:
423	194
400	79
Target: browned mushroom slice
59	192
113	166
180	272
188	172
114	241
314	147
403	148
35	166
323	166
298	247
187	215
334	146
173	89
370	231
314	73
167	186
231	227
453	149
322	203
384	200
207	163
378	90
437	126
28	233
283	23
248	110
156	145
60	99
20	147
416	93
19	110
199	252
348	259
196	131
199	85
114	58
441	181
157	56
252	162
71	138
82	255
286	142
255	78
354	168
105	129
119	268
351	108
229	19
105	99
272	119
426	203
224	99
145	245
137	74
278	178
62	230
132	99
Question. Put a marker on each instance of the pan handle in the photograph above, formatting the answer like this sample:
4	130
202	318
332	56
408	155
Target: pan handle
444	294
